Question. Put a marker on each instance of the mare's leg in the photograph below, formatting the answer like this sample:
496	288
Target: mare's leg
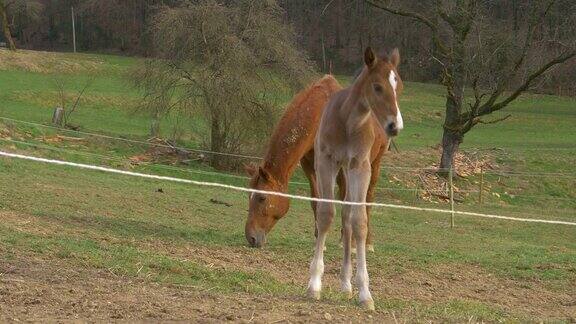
307	163
326	171
358	177
375	165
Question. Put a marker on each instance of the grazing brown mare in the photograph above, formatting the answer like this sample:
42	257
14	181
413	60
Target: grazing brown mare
292	142
346	137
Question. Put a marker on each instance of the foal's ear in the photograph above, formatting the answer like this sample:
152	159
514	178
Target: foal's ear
250	169
369	57
395	57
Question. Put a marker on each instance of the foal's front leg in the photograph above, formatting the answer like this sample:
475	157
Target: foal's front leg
358	182
346	271
326	176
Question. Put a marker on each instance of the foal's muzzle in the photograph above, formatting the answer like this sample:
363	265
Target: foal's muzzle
391	128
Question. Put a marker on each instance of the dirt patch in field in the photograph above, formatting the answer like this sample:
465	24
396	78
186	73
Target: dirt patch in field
425	178
165	152
439	284
40	290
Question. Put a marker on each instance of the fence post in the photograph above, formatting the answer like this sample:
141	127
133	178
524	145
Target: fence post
450	176
58	116
417	189
481	184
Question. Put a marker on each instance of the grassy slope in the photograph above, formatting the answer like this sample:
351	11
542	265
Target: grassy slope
95	225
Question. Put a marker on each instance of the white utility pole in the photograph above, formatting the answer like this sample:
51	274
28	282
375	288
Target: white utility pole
73	30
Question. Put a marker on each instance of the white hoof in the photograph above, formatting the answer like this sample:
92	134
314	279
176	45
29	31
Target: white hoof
368	304
347	290
314	295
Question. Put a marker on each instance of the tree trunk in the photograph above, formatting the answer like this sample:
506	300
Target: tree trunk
453	135
216	144
450	144
6	26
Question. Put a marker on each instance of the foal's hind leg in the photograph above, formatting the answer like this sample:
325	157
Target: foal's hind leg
326	176
375	167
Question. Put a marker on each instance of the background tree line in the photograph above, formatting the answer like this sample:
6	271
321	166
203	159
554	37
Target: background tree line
333	32
218	58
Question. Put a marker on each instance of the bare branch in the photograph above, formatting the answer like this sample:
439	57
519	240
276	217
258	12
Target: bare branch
477	98
80	94
487	109
535	21
326	7
494	121
378	4
416	16
461	21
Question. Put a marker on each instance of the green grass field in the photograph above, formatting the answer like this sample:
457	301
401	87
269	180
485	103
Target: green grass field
55	217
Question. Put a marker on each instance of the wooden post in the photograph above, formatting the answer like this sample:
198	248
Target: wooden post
481	184
450	175
58	116
73	30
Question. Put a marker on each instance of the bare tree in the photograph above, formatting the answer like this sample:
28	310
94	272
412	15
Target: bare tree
499	65
16	10
4	6
69	103
220	63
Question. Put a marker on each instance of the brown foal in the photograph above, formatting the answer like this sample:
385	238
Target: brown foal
347	133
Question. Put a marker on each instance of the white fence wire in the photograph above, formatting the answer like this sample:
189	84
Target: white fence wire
242	189
296	183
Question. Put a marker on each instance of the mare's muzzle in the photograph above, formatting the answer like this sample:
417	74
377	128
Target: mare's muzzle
255	238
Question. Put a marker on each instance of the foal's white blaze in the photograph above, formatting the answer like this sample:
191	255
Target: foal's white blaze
394	83
399	121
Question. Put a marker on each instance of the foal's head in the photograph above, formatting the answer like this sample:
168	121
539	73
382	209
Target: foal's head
264	210
380	86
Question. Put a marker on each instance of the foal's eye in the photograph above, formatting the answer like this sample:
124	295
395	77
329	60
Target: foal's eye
378	88
261	198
